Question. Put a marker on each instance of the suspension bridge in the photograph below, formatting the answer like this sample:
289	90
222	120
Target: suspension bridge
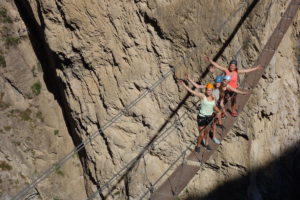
181	176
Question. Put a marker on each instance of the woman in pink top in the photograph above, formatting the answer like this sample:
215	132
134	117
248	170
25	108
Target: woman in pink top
233	71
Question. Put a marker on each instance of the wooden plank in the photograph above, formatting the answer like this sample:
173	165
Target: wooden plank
176	182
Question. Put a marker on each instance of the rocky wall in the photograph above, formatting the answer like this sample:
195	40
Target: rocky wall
103	54
33	131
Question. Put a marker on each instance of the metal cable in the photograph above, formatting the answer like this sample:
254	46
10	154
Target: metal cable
146	149
88	140
146	174
166	171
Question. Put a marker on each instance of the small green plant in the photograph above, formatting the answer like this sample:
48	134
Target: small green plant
17	143
25	115
56	132
36	88
7	128
12	41
5	166
32	152
60	173
40	116
4	17
117	193
2	61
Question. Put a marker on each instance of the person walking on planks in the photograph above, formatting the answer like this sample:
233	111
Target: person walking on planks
232	71
226	90
207	107
216	95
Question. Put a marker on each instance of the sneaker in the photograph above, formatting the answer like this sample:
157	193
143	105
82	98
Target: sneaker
208	148
234	114
197	149
203	142
215	140
221	126
223	115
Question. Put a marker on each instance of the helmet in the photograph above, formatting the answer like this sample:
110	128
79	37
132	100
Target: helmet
227	77
219	79
233	62
209	86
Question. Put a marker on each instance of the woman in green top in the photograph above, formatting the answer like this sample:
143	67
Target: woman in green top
208	106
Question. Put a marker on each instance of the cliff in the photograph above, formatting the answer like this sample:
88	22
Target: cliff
71	66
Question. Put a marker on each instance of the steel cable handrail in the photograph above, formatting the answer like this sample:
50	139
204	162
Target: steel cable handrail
146	149
88	140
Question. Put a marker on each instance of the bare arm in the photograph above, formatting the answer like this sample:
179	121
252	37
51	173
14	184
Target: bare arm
224	69
217	109
258	67
198	94
223	107
237	90
222	104
193	82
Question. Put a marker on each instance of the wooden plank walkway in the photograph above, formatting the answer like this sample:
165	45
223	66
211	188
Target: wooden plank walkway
174	184
184	173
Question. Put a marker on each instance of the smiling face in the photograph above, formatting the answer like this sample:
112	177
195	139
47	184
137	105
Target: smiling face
208	91
224	82
232	67
217	85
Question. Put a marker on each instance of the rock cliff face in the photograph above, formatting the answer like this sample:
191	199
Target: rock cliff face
32	128
96	57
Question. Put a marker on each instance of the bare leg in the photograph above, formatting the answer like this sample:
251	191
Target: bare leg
201	135
219	117
233	104
205	135
214	127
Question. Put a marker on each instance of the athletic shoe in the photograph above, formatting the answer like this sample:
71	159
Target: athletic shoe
221	126
215	140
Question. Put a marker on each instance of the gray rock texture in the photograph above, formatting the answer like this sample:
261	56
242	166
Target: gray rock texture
96	57
32	128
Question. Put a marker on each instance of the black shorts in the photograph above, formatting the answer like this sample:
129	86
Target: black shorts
204	121
229	94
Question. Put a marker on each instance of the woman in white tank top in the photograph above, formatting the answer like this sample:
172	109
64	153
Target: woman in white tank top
207	108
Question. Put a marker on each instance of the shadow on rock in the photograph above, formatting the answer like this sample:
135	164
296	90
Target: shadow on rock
277	180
